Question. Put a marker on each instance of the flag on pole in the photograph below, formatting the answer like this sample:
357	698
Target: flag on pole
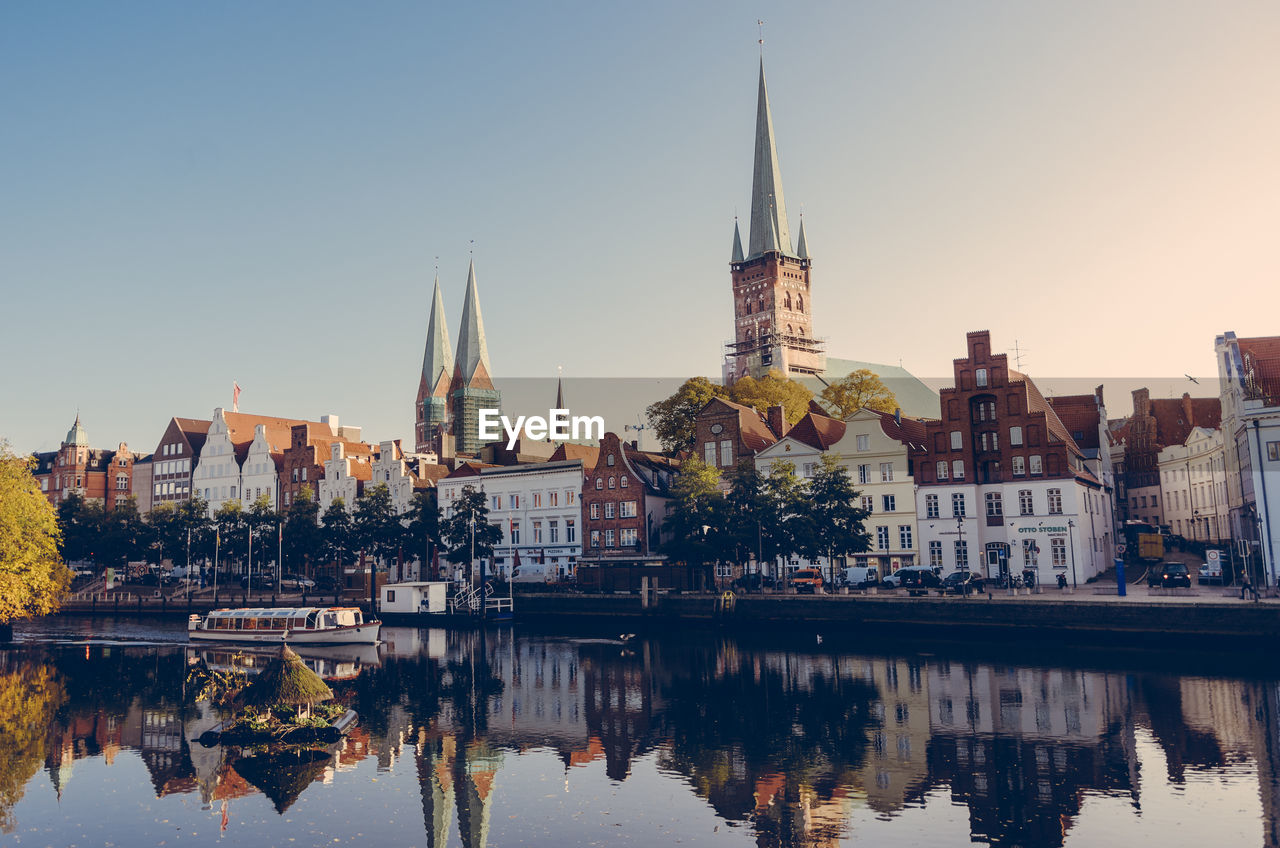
235	396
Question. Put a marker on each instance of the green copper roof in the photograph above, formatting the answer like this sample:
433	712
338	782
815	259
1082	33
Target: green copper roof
769	230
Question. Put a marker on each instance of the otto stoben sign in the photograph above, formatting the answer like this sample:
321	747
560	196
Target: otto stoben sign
1059	529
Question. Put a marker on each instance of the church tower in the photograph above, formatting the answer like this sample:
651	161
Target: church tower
772	303
432	406
472	387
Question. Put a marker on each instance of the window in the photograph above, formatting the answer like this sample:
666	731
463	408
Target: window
942	469
1025	504
1155	500
935	554
628	537
904	537
608	509
595	538
890	503
627	509
1055	502
304	475
624	481
957	469
709	453
613	484
980	378
864	443
726	453
554	497
1019	466
570	530
868	503
496	502
931	506
995	506
553	532
122	482
957	505
599	484
809	468
1058	546
957	440
609	460
1273	451
1015	436
1037	467
886	472
609	537
515	532
537	532
595	511
1030	552
882	538
962	554
864	473
569	497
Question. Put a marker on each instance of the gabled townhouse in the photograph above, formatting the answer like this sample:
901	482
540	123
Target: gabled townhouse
1249	377
1001	484
302	462
346	472
727	433
175	459
1193	485
875	448
624	503
1085	417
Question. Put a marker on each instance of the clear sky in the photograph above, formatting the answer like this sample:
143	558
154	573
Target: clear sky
192	194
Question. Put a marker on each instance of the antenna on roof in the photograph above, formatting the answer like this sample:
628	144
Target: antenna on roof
1018	354
760	25
639	429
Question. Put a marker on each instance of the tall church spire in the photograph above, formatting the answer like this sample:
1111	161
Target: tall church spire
437	360
802	246
471	365
769	230
737	243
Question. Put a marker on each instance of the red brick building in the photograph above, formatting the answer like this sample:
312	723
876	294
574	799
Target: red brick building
92	473
727	433
624	502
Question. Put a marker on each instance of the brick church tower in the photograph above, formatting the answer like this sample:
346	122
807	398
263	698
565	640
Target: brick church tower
472	387
772	302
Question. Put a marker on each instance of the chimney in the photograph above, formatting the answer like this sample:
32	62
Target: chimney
777	421
1186	410
332	421
897	416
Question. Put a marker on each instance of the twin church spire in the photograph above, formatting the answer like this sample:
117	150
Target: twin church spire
452	388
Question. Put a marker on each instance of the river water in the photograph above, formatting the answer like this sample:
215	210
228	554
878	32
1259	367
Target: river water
535	738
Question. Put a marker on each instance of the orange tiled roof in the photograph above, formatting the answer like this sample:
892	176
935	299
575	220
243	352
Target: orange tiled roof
818	431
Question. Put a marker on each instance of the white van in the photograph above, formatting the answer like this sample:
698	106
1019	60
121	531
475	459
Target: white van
533	572
860	577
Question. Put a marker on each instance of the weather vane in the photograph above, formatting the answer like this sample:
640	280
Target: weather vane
760	24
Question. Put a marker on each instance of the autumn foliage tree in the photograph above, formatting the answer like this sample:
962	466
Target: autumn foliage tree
33	577
857	390
673	419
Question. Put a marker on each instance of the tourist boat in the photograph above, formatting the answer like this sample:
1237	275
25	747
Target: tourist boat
295	625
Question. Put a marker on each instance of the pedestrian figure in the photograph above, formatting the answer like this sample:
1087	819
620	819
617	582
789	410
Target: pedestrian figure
1062	581
1246	586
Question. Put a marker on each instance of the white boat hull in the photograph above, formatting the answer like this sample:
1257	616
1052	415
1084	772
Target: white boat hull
360	634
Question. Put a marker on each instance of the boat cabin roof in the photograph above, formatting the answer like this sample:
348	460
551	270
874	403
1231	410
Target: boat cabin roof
276	612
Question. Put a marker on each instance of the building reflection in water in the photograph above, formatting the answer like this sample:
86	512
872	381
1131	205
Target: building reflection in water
796	745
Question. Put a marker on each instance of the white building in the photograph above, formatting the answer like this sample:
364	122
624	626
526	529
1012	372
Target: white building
874	448
1249	375
260	474
345	473
1193	485
537	507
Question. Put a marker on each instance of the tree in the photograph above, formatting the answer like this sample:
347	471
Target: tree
303	538
124	536
167	533
467	534
837	524
378	530
233	543
695	520
752	520
423	533
33	577
262	523
792	527
772	390
673	419
193	518
337	532
859	389
79	523
31	693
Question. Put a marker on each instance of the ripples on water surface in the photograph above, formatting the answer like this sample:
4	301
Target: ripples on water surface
533	739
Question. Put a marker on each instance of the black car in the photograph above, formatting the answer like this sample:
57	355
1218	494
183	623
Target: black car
260	581
916	579
1169	575
961	583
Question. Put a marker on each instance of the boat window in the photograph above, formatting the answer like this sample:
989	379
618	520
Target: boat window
311	621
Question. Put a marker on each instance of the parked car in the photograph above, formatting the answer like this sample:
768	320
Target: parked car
860	577
260	581
1169	575
83	572
807	580
962	582
917	579
1211	574
296	582
753	583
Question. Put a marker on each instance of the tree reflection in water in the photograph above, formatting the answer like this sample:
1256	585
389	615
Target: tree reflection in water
791	743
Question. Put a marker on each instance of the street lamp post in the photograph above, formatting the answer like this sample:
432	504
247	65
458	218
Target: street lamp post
1071	538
